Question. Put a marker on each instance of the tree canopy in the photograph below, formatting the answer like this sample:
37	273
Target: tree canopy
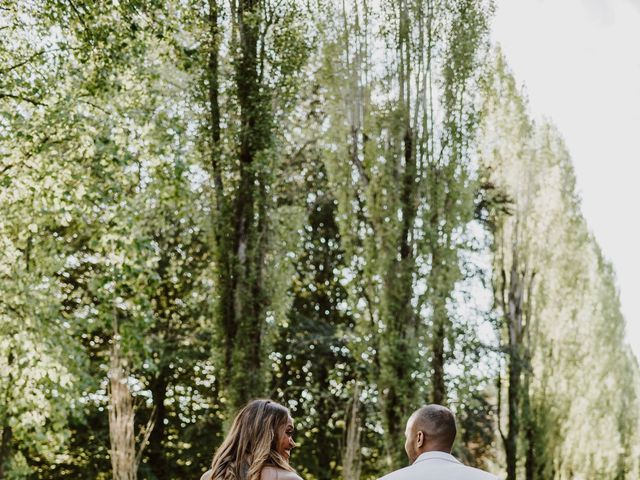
343	206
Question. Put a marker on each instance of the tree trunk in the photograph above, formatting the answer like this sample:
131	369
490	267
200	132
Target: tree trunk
241	217
515	329
121	421
439	392
529	421
530	462
323	453
5	447
351	461
513	398
157	459
399	395
250	217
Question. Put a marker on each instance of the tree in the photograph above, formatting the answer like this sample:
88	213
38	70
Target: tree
387	165
268	46
553	303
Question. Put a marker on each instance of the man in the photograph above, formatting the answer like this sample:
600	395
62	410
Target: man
430	433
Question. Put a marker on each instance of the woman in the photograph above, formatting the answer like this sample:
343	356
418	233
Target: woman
257	447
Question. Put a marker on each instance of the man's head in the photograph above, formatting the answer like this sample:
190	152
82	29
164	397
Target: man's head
430	428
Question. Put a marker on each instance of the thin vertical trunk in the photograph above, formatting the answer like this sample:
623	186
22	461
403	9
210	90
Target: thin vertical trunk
513	398
439	288
249	295
5	447
323	453
214	87
227	284
157	459
124	456
517	316
241	216
351	462
121	420
530	461
439	392
214	101
399	396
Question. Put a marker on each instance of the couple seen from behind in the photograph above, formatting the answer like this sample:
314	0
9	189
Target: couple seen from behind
260	441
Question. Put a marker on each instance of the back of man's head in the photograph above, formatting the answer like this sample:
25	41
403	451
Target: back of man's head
438	425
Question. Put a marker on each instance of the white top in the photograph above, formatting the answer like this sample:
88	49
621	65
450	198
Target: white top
439	466
274	473
268	473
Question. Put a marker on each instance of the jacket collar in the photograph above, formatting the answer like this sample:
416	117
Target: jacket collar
436	455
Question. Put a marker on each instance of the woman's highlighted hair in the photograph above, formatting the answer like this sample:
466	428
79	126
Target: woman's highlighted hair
250	444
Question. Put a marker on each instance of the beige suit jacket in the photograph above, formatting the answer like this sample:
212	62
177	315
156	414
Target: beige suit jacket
438	466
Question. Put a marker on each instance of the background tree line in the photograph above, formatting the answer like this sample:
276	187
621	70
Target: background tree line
345	206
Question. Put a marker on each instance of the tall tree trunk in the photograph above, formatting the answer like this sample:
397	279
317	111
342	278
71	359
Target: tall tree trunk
241	217
246	380
513	398
444	260
324	416
395	382
439	392
156	450
121	421
351	458
528	420
520	285
530	461
125	459
5	447
397	367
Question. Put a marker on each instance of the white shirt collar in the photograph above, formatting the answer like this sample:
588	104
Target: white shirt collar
439	455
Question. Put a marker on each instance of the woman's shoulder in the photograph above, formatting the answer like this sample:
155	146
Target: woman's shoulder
207	475
275	473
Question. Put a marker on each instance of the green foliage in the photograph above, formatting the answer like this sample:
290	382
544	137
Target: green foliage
311	201
561	325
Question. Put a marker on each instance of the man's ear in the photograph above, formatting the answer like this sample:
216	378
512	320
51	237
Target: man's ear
420	439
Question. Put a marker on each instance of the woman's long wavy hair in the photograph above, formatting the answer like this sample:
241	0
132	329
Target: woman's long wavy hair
251	443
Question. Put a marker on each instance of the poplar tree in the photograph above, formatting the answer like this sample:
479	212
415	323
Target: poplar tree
400	169
556	304
267	51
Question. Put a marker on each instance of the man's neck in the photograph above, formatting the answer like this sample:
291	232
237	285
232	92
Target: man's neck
433	448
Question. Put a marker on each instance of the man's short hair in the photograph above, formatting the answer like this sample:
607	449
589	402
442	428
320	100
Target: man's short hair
437	423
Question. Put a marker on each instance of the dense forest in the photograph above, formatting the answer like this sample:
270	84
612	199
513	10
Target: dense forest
345	206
